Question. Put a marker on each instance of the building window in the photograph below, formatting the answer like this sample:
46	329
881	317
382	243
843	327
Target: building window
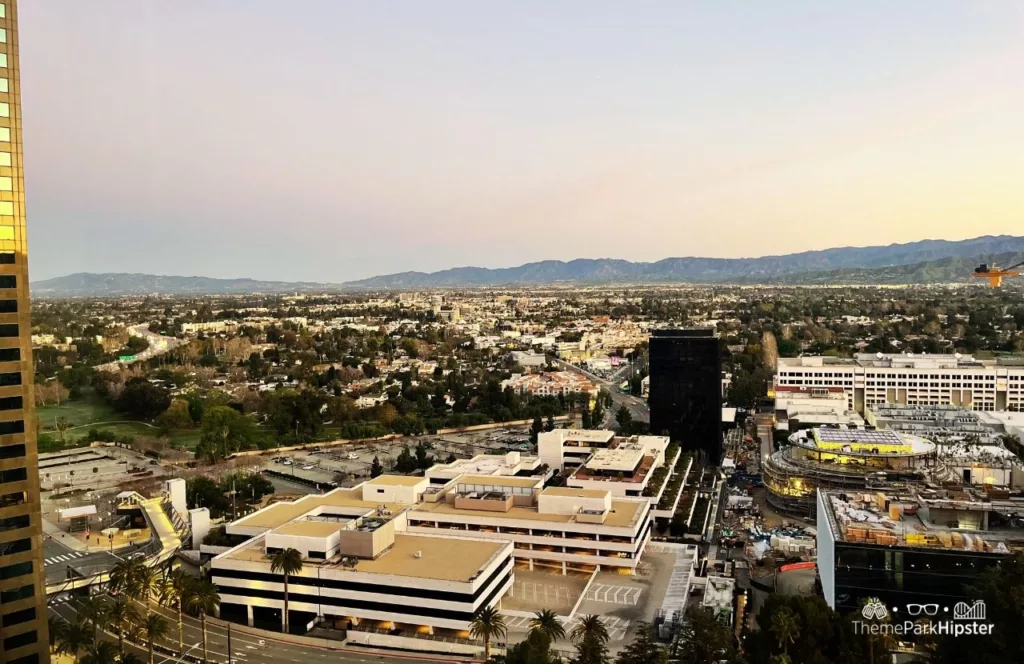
16	570
5	132
15	522
8	379
5	109
6	207
6	183
3	10
17	546
3	60
3	36
13	426
13	475
4	85
10	355
9	307
20	640
12	451
9	330
12	403
19	617
12	499
5	159
14	594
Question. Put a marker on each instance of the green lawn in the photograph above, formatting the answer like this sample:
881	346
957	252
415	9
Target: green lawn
81	412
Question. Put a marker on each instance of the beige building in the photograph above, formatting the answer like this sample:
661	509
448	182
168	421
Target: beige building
23	605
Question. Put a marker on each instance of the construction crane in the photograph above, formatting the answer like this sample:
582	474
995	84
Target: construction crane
995	274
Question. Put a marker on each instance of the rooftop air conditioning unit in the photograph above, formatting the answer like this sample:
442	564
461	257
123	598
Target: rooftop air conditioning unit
418	554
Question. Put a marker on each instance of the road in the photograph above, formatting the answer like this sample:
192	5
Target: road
158	345
248	649
57	558
634	405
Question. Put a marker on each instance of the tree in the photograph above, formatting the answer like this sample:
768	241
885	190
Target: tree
58	629
122	614
376	469
644	649
173	588
124	576
624	419
488	624
77	639
1002	590
201	598
154	628
591	639
704	638
177	416
535	429
784	628
405	463
92	609
101	652
547	623
286	562
145	584
225	431
142	399
550	424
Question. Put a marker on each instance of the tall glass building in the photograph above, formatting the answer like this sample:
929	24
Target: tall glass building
22	590
686	388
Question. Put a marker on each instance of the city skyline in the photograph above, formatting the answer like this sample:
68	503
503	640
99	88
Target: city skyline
500	135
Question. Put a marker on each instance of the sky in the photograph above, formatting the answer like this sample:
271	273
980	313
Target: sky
330	140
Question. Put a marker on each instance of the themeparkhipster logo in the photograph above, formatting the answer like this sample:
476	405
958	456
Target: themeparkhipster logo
962	619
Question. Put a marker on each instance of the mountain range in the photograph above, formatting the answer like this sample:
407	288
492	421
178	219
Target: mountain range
925	261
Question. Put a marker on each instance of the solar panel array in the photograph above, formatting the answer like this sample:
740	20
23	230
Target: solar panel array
882	437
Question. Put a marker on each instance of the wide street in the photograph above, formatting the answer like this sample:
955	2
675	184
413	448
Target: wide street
635	405
57	558
248	649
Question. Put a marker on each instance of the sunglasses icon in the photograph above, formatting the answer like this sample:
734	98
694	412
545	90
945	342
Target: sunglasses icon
926	609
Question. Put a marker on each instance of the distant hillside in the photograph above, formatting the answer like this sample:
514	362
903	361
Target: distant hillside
87	284
927	261
768	269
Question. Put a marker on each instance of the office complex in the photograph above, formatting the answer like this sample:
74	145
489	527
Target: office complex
686	388
913	380
912	545
423	552
22	595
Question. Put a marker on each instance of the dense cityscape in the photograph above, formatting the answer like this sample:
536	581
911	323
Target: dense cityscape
806	458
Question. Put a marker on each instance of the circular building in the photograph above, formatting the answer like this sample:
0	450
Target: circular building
846	459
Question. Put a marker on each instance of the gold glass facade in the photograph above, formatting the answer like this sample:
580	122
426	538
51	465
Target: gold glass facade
22	590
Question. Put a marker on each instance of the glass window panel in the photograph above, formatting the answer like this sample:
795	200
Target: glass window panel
5	134
4	85
6	208
3	36
5	110
3	60
6	232
5	158
6	184
3	10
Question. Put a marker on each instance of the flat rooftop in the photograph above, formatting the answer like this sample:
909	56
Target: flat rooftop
622	515
858	518
278	514
500	480
306	528
397	480
622	458
441	558
903	361
569	492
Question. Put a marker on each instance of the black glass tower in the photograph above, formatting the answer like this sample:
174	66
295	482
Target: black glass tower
686	388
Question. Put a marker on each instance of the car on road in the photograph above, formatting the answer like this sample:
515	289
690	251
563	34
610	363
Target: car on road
352	456
287	462
307	467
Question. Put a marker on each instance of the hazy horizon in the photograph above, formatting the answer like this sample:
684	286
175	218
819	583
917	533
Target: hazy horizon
337	140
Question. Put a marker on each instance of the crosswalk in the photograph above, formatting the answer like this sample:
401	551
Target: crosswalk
63	558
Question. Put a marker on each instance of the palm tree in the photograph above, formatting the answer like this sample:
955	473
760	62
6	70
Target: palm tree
130	658
154	628
78	638
172	589
546	622
145	584
124	576
58	629
93	609
590	628
101	652
122	614
487	624
286	562
201	597
785	627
